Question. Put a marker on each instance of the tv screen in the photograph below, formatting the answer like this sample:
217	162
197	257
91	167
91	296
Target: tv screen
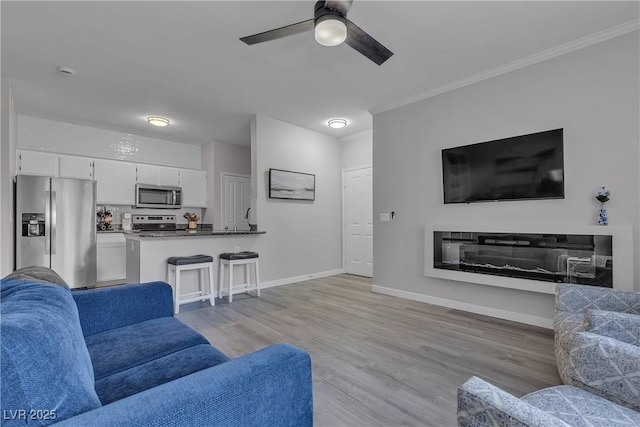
517	168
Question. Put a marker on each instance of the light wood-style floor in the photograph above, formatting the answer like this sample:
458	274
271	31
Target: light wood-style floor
380	360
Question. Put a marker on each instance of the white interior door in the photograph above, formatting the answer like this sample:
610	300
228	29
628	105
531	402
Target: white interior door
236	190
358	221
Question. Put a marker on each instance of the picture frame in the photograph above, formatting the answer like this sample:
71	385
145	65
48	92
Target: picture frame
284	184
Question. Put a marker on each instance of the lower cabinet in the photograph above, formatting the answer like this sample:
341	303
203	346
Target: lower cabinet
111	252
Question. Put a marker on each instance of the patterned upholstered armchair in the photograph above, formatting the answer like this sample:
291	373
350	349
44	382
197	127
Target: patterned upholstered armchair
597	340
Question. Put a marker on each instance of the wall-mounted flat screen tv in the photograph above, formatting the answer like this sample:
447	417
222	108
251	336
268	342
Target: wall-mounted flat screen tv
517	168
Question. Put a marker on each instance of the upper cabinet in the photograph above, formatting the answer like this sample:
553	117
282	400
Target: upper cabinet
76	167
36	163
116	182
158	175
194	188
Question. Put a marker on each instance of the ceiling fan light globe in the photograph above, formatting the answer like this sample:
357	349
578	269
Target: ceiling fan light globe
330	30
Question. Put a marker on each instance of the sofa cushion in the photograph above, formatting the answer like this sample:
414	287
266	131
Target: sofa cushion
624	327
579	408
606	367
120	349
45	362
157	371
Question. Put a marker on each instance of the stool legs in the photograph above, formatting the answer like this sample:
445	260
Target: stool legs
230	282
220	276
257	279
173	277
229	285
176	304
212	292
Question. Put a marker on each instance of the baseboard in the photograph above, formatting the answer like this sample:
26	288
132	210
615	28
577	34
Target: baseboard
528	319
311	276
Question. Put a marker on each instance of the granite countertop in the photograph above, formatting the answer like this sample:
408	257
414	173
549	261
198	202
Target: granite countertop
195	233
182	231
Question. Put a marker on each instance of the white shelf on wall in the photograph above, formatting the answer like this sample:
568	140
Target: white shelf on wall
623	259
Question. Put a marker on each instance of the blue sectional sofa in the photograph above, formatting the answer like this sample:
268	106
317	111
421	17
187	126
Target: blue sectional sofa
117	356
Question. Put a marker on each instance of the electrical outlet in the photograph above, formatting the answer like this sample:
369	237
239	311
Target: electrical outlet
236	249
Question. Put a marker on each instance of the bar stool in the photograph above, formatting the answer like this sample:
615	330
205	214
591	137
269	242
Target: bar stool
232	259
177	264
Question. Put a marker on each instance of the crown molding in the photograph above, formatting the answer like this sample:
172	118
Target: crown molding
580	43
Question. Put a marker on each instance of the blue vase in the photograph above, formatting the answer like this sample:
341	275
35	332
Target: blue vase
603	219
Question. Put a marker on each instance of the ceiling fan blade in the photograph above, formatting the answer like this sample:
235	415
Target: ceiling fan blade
341	6
366	45
279	33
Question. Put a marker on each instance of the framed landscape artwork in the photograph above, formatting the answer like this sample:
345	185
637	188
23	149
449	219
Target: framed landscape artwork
291	185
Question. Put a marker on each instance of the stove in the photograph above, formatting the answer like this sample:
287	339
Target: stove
153	222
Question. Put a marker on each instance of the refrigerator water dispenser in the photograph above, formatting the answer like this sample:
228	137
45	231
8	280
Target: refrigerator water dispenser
32	224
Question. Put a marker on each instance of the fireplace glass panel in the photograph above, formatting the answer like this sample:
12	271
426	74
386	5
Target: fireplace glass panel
563	258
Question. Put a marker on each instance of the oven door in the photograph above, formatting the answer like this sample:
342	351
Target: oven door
151	196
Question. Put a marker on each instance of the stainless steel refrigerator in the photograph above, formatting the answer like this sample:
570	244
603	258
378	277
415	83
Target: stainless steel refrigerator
56	226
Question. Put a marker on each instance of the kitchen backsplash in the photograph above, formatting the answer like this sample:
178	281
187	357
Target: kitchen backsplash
117	210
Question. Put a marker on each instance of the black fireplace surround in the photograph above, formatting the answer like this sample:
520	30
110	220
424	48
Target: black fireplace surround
571	258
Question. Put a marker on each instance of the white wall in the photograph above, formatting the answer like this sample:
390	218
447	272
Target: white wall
7	171
53	136
219	157
592	93
357	150
303	237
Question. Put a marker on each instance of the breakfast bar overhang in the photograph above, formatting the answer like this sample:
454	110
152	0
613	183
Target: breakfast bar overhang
147	252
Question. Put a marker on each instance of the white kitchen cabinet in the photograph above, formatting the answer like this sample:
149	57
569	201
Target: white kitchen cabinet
111	254
76	167
158	175
36	163
116	181
194	188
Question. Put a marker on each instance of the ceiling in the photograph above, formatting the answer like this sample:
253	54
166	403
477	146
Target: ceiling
183	60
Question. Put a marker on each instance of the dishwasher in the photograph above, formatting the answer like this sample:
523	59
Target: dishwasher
112	257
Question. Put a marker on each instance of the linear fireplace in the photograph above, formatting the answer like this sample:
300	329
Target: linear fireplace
531	259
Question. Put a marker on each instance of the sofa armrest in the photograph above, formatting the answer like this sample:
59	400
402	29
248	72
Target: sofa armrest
579	298
481	403
606	367
271	387
103	309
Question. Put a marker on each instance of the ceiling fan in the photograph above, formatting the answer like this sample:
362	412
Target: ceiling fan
331	27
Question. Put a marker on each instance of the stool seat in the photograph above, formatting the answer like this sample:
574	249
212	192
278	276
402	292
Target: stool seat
186	260
239	255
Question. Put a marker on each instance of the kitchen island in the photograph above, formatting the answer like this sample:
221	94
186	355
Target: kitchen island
148	251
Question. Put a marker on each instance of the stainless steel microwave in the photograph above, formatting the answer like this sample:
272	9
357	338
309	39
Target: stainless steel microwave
155	196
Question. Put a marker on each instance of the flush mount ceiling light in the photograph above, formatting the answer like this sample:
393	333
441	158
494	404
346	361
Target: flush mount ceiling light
330	30
158	121
337	123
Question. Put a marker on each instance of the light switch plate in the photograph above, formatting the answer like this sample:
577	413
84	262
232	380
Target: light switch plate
385	217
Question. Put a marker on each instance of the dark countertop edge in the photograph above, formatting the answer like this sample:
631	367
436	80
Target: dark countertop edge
195	233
